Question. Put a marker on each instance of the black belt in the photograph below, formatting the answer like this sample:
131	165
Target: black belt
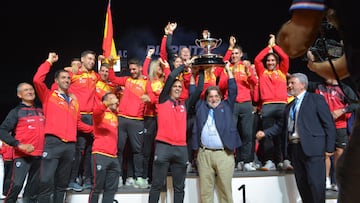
211	149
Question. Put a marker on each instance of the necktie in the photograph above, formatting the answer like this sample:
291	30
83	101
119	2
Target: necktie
293	109
293	116
211	114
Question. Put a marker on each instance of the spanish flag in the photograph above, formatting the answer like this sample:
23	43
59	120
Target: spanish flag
108	42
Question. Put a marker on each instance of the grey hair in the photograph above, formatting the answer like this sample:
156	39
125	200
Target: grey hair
18	88
302	78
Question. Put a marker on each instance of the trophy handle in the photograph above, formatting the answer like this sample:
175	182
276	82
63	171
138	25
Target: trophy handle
219	43
197	42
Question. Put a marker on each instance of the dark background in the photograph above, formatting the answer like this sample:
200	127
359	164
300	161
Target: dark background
30	29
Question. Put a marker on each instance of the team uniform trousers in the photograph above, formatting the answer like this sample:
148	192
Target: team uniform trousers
176	158
271	148
134	130
82	162
22	167
189	126
216	168
244	118
150	125
8	164
106	171
55	169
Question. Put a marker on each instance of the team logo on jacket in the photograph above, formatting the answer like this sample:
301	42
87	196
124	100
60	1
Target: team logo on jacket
182	108
44	154
98	167
18	164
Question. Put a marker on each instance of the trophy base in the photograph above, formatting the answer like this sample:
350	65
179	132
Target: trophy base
208	60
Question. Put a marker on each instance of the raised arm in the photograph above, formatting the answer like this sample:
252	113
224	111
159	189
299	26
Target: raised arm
195	96
39	78
169	82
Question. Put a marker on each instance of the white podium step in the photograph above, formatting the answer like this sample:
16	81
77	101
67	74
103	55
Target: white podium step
260	187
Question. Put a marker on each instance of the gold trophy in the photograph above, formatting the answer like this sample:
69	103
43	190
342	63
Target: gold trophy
207	59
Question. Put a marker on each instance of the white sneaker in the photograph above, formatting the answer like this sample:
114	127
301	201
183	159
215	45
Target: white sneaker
129	181
240	166
190	168
256	165
269	166
141	183
286	166
249	167
328	184
147	182
334	187
120	182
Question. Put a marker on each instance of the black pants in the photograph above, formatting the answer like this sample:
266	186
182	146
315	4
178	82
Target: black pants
82	161
244	119
21	168
309	174
106	172
167	156
55	169
134	130
7	175
150	125
271	148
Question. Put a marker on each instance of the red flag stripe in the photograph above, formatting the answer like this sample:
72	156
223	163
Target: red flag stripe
108	41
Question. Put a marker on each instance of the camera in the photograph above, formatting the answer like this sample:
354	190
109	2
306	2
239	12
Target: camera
325	49
327	46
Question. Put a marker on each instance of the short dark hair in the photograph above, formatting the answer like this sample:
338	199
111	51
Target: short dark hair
135	61
57	73
86	52
105	65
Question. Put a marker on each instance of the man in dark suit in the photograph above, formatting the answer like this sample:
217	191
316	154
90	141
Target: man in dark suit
310	134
